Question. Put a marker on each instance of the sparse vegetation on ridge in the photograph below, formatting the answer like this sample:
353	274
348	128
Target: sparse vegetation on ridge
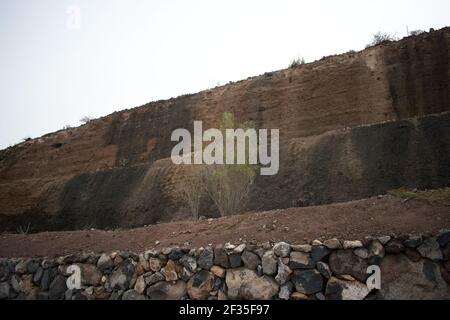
86	119
381	37
415	32
296	62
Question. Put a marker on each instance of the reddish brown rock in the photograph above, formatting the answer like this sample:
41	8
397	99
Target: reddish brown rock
84	176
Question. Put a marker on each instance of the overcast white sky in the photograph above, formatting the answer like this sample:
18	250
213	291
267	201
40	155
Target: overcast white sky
130	52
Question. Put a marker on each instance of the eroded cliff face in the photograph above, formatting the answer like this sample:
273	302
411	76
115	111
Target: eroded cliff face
351	126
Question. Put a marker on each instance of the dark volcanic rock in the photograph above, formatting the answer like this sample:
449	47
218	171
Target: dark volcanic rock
5	290
4	270
413	241
308	281
251	260
121	277
133	295
188	262
235	260
444	238
206	259
319	252
430	249
221	257
324	269
105	263
177	253
344	262
47	278
57	288
32	266
167	291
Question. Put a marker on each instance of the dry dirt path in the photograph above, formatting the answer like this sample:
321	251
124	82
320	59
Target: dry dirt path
352	220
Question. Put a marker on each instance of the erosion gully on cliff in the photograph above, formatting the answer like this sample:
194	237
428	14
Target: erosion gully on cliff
351	126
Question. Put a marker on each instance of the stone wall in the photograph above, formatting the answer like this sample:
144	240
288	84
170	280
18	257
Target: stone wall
412	267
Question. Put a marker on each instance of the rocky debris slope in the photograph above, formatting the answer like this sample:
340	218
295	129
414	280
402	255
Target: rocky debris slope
412	267
403	213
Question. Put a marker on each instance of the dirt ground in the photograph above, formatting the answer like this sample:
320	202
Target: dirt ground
352	220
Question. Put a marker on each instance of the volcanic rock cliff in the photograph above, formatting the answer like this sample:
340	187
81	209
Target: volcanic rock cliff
351	126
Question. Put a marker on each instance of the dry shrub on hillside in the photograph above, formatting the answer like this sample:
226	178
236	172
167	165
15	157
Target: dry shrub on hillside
191	190
228	186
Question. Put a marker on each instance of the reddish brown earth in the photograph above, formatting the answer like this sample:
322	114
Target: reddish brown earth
352	220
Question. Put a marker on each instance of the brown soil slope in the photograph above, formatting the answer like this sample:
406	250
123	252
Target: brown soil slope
353	220
114	171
